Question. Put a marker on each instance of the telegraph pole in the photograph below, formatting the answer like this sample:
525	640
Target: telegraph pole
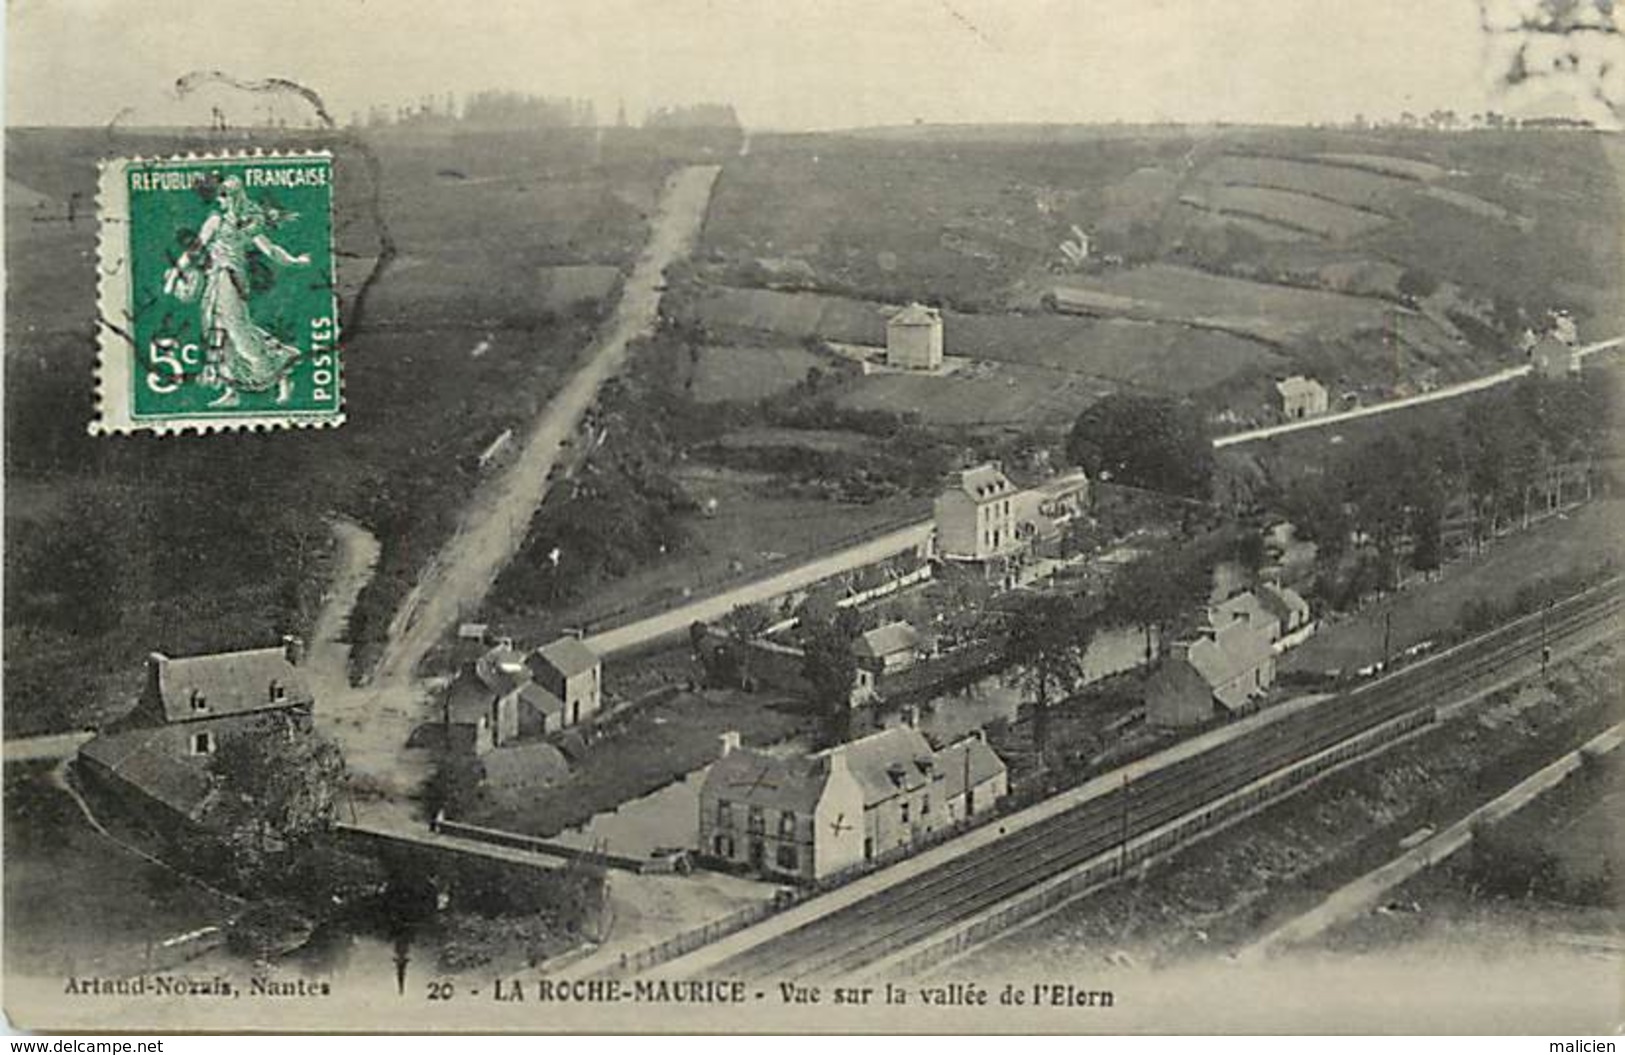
1122	856
1387	637
1545	648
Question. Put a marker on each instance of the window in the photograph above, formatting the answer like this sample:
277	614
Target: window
724	845
905	811
868	848
925	806
200	702
203	743
787	858
755	821
787	825
725	814
279	692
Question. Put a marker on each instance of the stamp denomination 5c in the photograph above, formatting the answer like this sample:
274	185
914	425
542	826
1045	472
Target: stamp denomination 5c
217	304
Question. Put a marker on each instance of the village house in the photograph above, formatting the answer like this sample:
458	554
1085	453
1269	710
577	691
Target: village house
885	650
1223	670
159	756
1290	610
806	817
914	339
1301	397
1043	513
975	516
505	694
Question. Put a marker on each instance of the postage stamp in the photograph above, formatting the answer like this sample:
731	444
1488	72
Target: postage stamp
217	306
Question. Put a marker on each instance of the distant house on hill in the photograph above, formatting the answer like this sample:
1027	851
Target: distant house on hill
1301	397
914	338
975	516
1554	358
1229	664
189	706
507	694
806	817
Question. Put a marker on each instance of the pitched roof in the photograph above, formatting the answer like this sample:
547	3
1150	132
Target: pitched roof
568	655
541	699
985	482
985	764
885	640
228	683
1283	602
916	315
890	761
756	778
1243	606
156	761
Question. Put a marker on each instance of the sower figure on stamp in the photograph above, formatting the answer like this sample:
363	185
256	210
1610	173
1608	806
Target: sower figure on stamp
242	356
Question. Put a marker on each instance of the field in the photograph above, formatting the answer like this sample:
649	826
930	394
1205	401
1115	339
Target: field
1297	238
120	546
1275	314
746	374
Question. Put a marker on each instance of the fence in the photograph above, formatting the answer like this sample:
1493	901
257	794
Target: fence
688	941
535	844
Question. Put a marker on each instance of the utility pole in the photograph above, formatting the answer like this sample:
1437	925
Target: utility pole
1387	637
1122	856
1545	649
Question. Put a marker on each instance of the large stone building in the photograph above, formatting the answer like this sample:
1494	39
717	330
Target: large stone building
506	694
807	817
1302	397
975	516
159	756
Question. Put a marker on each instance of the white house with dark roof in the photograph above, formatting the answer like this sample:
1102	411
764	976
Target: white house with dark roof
806	817
914	339
1290	610
188	707
574	674
975	515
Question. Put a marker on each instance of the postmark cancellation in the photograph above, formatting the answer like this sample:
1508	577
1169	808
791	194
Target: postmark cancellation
216	302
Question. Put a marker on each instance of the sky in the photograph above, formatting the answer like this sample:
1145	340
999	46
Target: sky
785	64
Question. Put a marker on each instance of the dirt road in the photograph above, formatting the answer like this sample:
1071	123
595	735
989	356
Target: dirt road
495	525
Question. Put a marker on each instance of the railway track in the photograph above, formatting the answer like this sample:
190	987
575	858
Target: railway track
894	919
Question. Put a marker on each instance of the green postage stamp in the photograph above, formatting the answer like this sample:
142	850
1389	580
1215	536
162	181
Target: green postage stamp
217	302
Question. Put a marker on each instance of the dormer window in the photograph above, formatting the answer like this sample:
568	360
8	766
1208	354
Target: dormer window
279	692
200	702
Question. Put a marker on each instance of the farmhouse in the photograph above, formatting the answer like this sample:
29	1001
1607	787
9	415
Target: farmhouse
1301	397
1290	610
1229	664
189	706
806	817
506	694
914	339
975	516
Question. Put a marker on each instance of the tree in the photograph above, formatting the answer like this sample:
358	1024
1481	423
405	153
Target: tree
1144	441
1415	284
277	789
1045	640
745	624
1155	591
831	669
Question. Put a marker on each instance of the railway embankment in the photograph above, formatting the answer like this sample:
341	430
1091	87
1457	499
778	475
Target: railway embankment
1218	896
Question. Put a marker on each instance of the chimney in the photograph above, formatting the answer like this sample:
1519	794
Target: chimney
729	742
293	647
157	663
834	758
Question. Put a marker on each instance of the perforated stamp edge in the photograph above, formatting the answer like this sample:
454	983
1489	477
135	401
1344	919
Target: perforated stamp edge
115	366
